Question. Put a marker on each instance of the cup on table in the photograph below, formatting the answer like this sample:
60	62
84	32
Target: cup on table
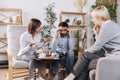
55	55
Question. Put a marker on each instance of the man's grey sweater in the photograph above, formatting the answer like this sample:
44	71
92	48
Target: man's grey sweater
109	38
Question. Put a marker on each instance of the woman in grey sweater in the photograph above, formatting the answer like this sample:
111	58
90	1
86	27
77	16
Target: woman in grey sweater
108	38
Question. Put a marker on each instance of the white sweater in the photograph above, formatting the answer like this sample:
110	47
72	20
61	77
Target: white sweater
25	49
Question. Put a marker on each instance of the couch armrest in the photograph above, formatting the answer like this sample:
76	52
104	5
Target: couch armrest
108	68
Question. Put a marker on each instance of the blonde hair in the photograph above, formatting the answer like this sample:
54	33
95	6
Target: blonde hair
101	12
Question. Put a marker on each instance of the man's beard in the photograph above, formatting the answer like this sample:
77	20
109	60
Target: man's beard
62	35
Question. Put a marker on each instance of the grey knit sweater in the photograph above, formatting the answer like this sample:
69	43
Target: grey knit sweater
109	38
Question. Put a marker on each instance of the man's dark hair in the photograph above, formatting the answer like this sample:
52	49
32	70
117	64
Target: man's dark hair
63	24
33	25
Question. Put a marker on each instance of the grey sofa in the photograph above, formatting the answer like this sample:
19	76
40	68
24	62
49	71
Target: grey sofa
108	68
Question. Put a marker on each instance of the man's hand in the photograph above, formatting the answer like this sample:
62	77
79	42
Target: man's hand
70	32
57	33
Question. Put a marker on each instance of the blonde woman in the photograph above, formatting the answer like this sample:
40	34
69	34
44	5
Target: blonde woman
108	38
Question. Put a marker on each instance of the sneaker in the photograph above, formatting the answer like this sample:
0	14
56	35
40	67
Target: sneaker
40	78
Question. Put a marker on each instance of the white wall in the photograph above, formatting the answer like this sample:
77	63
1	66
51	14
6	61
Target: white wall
34	8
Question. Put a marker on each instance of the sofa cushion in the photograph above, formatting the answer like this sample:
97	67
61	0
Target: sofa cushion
20	64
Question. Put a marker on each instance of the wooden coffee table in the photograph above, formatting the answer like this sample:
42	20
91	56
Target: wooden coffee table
49	59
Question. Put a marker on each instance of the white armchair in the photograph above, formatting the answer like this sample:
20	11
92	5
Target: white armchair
15	66
108	68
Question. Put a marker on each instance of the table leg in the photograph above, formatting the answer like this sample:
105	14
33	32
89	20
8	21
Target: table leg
35	75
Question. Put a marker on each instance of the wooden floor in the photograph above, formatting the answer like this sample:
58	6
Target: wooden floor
2	74
3	71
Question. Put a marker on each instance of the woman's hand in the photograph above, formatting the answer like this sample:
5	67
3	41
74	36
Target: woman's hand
96	30
31	43
46	40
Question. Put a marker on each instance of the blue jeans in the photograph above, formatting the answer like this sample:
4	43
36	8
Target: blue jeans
32	65
69	62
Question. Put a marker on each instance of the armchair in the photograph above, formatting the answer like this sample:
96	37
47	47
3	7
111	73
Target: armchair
15	66
108	68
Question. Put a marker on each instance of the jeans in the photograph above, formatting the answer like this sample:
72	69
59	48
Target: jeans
33	64
81	70
69	62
